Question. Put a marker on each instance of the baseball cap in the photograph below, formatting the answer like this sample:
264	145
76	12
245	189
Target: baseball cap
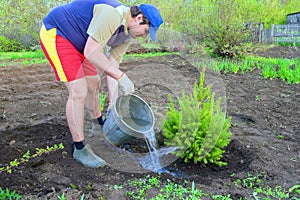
154	17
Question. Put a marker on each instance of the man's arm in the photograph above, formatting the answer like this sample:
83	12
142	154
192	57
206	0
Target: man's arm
118	52
93	51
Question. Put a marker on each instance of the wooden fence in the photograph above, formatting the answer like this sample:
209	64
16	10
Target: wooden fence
289	33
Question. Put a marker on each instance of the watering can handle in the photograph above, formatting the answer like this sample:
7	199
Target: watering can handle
140	92
144	97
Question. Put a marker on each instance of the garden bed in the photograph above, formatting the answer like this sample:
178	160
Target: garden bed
265	132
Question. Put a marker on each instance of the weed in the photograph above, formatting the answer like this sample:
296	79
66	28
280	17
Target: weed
257	98
27	156
73	186
280	136
62	197
7	194
295	188
284	69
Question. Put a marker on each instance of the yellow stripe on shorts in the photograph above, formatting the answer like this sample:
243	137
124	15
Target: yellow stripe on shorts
48	39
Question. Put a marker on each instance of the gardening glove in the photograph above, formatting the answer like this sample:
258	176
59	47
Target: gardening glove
126	87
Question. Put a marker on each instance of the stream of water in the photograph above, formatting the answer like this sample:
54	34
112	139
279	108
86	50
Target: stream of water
152	161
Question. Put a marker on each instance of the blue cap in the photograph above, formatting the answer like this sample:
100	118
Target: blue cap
154	17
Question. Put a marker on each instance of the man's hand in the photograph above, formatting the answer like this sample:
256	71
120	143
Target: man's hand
126	87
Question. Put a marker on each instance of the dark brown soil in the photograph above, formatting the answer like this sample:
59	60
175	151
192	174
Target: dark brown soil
265	131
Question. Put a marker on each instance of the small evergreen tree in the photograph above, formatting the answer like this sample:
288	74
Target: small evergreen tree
199	127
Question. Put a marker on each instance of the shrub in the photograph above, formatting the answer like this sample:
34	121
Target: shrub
9	45
199	127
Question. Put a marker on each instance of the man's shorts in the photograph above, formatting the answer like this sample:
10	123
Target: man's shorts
67	62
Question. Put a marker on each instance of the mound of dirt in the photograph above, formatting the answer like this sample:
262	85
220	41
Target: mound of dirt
280	52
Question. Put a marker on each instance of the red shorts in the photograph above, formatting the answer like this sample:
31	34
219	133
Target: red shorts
67	62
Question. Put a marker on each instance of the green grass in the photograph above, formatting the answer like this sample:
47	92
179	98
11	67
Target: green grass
285	69
38	57
9	195
4	56
23	58
21	55
136	56
150	45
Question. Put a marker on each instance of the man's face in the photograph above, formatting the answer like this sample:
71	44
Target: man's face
138	30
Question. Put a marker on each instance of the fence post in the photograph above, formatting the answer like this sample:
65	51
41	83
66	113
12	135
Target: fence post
261	33
272	34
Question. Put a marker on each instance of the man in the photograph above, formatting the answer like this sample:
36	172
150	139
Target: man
85	38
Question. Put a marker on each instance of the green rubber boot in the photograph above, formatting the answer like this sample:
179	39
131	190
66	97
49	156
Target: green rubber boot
88	158
97	129
97	125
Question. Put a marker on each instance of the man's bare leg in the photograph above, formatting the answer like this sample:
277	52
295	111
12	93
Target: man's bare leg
93	103
75	116
92	99
75	107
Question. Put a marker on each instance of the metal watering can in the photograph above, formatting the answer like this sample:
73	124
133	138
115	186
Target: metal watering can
130	117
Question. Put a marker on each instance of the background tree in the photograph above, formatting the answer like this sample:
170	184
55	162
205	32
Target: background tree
21	19
219	24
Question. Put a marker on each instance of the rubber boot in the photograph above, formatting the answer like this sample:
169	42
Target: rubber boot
87	157
96	129
97	125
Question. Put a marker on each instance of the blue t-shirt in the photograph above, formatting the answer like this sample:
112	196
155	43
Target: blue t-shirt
72	20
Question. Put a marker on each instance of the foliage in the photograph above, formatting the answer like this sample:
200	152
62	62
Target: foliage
221	24
21	19
199	127
225	33
285	69
143	188
9	45
254	182
198	19
33	57
288	44
192	14
21	55
62	197
102	98
9	195
24	58
170	190
27	156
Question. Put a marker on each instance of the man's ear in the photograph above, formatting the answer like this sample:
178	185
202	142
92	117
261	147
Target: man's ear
139	17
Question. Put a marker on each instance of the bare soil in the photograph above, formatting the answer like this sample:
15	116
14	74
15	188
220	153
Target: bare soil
265	131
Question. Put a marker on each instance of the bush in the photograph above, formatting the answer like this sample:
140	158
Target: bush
9	45
199	128
21	20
